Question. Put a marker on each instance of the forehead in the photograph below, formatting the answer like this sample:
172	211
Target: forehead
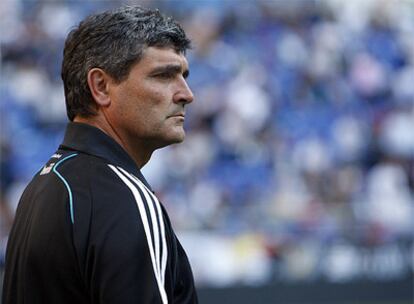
154	57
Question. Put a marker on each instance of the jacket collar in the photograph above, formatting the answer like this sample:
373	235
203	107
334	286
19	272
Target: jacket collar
91	140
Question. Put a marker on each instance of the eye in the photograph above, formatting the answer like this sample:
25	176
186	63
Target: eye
165	75
169	72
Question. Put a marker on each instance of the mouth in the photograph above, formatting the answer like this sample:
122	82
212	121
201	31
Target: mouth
178	115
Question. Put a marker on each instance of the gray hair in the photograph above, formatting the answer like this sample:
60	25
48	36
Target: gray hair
113	41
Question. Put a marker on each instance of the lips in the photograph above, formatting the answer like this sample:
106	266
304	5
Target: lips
181	114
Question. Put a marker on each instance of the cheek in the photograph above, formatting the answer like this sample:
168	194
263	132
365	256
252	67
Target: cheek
146	106
155	104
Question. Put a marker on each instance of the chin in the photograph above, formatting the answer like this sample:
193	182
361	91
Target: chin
178	136
176	139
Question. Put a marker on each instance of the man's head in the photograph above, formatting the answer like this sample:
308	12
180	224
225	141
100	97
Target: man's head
125	72
113	41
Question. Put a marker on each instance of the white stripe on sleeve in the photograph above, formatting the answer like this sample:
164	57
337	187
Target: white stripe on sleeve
147	192
145	222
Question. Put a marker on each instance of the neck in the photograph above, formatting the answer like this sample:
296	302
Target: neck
137	150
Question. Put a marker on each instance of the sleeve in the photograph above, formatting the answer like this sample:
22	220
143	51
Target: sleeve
111	242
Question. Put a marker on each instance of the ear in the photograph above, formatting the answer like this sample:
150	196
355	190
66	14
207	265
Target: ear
98	81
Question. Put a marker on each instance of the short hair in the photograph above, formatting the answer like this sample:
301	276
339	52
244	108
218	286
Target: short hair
113	41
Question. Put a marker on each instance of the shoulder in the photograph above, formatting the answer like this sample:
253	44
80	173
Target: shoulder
84	184
94	184
83	172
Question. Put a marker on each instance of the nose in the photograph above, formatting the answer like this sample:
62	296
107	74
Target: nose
184	94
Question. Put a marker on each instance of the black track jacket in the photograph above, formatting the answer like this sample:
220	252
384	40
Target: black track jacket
88	229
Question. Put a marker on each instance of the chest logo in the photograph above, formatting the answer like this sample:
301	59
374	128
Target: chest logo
46	169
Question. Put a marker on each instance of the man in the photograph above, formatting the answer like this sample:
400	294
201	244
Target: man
88	228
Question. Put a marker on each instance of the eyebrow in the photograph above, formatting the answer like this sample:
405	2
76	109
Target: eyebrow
170	68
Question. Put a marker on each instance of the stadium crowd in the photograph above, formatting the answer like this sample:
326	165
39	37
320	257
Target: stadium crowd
299	158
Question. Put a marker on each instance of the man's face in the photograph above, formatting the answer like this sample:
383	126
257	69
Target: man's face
147	108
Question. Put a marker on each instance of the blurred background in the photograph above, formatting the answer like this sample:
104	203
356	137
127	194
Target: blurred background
295	183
